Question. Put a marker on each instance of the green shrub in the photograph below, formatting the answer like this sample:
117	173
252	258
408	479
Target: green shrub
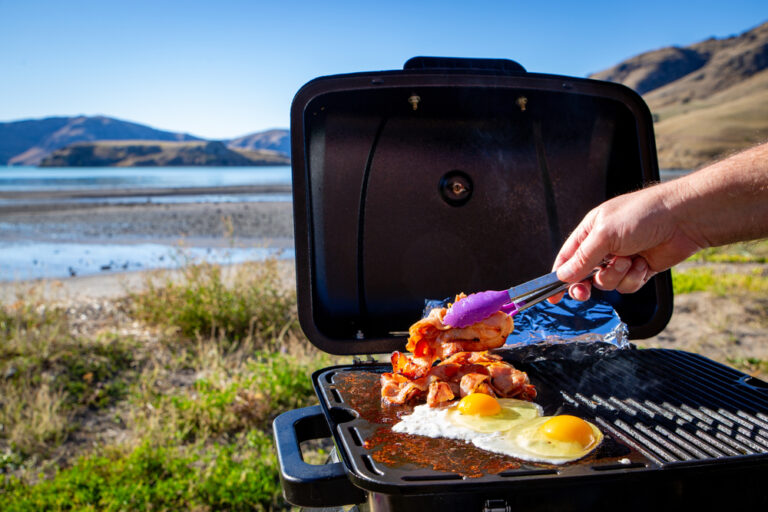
252	303
751	365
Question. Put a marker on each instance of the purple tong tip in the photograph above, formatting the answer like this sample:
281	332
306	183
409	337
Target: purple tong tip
475	307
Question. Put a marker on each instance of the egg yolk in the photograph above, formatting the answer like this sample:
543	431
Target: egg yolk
479	404
568	428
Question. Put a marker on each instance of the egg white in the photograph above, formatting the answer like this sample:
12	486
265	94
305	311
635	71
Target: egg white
513	412
525	441
517	435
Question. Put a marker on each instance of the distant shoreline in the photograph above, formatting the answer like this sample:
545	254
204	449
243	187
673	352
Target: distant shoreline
149	191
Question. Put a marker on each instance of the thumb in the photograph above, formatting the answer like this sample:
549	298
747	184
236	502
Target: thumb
588	255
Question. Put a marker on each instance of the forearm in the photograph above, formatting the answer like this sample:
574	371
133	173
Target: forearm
724	202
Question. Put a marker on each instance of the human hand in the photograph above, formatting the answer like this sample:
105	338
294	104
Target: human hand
639	234
650	230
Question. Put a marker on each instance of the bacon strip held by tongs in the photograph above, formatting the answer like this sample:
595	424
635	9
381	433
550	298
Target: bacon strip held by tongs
466	365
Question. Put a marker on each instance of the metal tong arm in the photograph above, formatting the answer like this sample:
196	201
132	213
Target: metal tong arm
536	290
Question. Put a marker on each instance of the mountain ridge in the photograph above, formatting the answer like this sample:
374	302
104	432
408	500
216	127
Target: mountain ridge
709	99
31	141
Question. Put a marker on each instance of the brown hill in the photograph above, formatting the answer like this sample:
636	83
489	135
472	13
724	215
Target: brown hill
156	153
29	141
276	140
709	99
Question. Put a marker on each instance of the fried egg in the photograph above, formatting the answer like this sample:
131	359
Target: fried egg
552	439
507	426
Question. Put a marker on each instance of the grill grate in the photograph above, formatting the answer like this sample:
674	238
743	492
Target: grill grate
670	406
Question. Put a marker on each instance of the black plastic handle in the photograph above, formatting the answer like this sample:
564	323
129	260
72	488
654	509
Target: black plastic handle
308	485
503	66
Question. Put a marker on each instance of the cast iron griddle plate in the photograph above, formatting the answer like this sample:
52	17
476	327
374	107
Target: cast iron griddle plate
659	410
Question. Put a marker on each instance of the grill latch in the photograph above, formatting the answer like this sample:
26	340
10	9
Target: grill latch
496	506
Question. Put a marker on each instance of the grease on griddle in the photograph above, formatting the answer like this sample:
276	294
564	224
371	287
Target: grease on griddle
440	454
362	392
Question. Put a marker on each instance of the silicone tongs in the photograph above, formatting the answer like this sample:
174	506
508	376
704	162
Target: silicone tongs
479	306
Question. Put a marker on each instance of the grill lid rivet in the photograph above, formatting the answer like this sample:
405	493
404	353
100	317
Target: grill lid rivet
414	101
522	102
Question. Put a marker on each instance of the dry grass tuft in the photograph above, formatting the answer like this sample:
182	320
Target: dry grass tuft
33	419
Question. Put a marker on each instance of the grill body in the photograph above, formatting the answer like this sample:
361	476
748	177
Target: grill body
681	430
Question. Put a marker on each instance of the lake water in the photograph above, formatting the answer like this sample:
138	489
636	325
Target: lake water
24	178
24	258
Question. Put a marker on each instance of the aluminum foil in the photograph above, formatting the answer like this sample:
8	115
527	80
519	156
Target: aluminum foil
569	321
570	329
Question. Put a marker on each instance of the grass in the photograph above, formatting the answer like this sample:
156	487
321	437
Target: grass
704	279
167	408
750	365
743	252
224	477
50	376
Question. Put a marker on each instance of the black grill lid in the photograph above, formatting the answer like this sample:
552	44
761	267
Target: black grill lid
452	176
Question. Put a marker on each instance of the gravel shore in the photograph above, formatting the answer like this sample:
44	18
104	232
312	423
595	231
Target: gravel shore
58	216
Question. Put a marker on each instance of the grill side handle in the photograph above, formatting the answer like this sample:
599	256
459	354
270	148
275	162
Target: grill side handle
308	485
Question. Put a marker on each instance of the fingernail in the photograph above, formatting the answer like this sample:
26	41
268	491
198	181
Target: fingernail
579	292
622	264
642	265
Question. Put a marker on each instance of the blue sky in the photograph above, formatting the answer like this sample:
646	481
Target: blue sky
225	68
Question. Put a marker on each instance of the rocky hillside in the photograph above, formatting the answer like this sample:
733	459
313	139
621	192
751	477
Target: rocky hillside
275	140
156	153
709	99
28	142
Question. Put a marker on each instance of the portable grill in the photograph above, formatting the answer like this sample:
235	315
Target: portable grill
465	175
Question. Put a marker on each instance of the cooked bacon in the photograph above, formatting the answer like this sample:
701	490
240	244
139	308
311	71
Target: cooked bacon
472	383
399	389
439	392
458	376
509	382
465	368
412	367
463	358
431	339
